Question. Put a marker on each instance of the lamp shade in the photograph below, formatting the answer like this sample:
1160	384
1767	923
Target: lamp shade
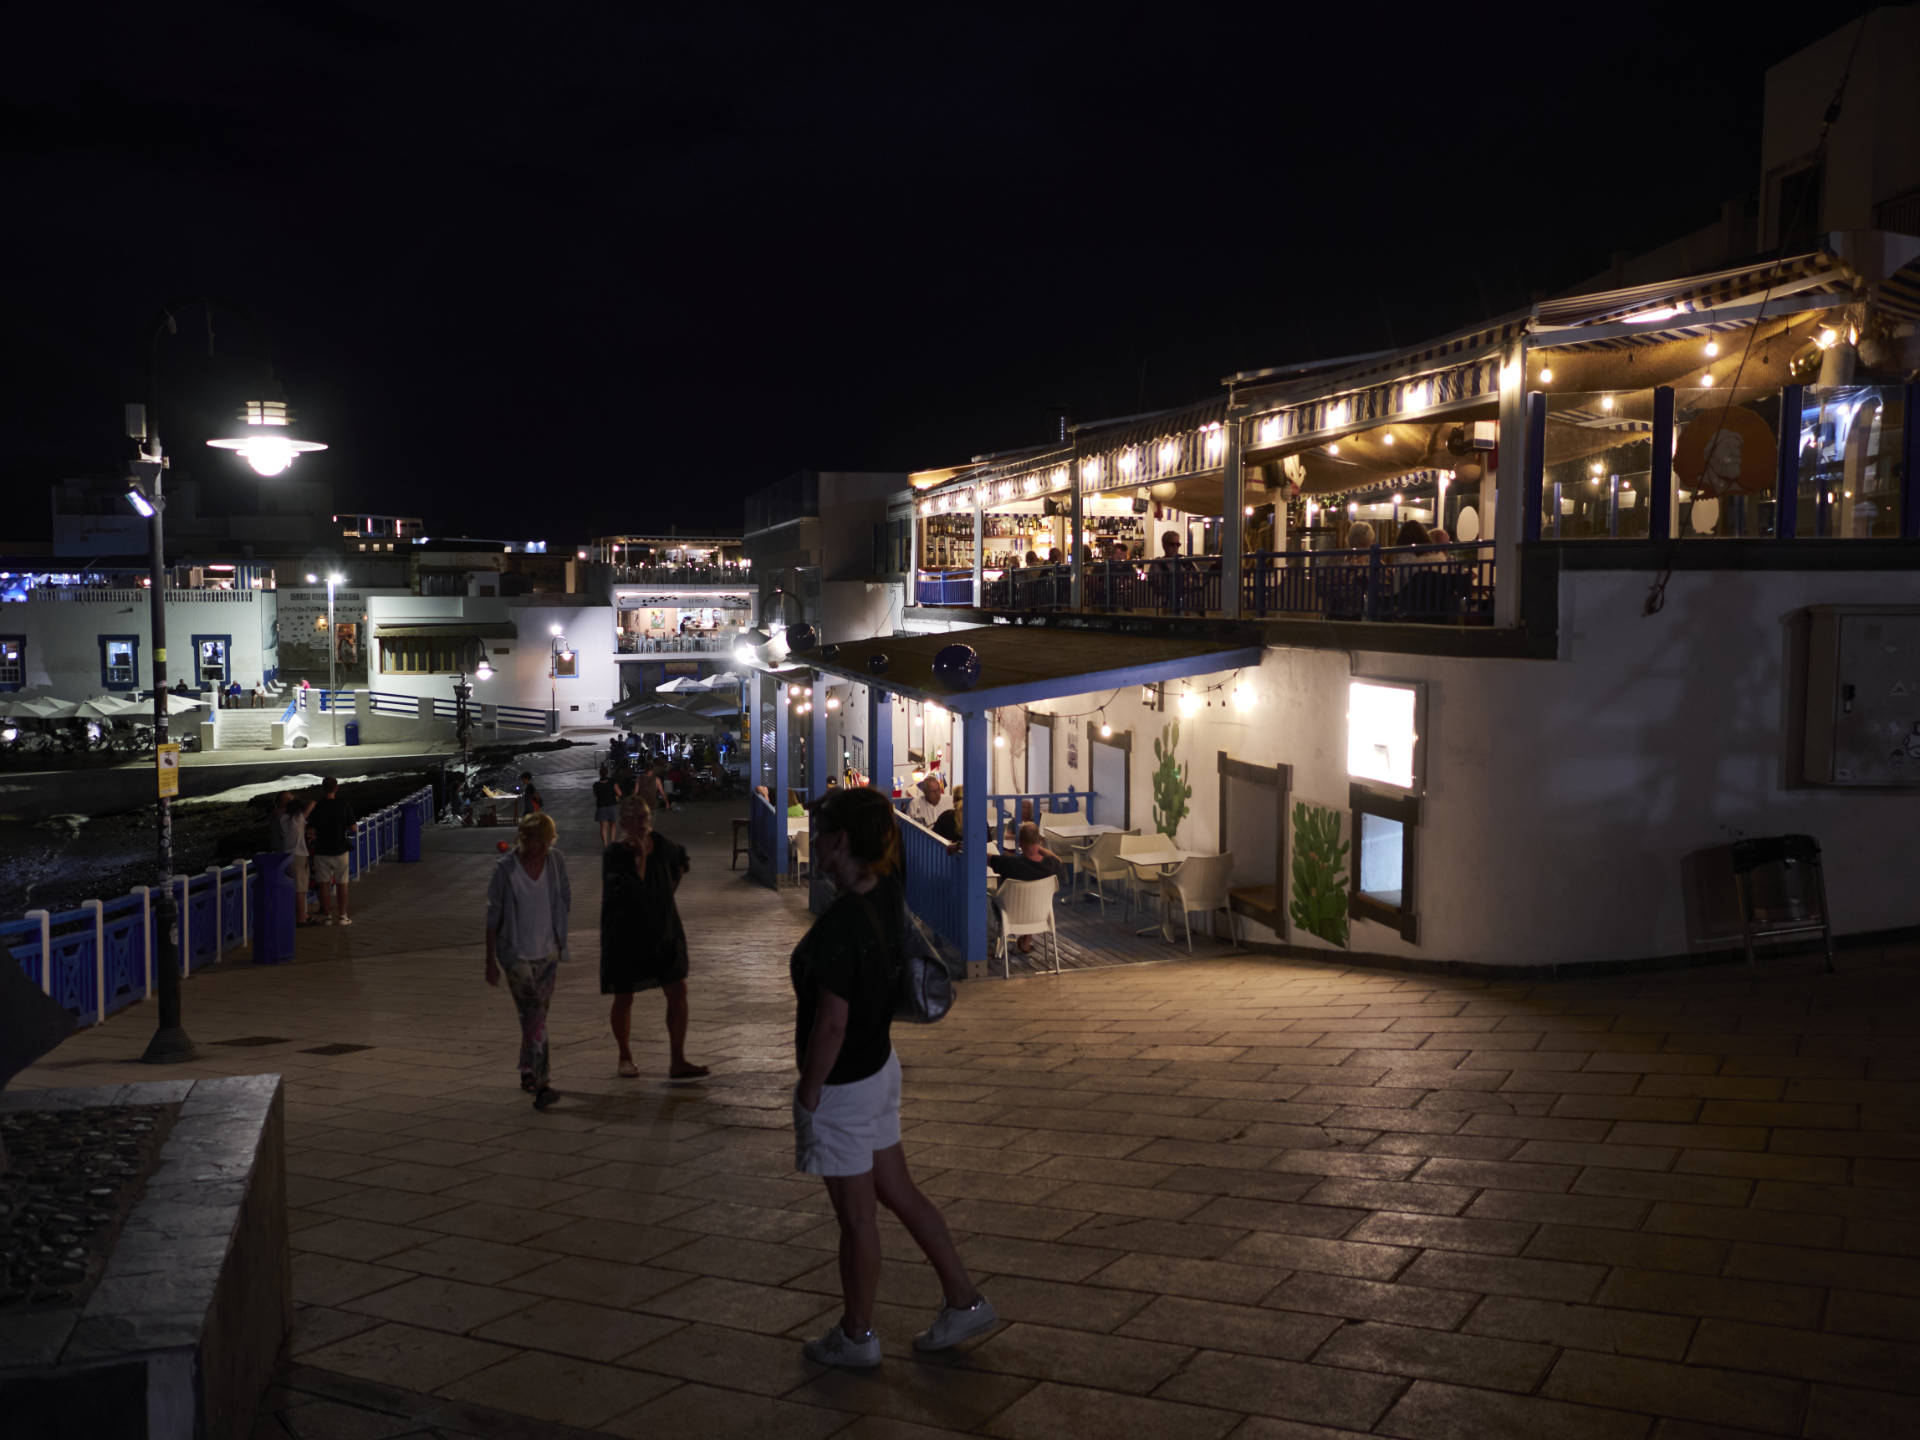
264	437
957	666
802	637
878	662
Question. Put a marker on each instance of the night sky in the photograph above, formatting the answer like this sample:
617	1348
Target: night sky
569	269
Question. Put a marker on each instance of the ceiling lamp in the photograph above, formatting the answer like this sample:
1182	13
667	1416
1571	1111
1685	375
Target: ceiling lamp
1606	402
1333	448
1546	374
1713	348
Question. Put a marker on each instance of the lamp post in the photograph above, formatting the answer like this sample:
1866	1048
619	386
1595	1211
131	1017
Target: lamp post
463	717
269	451
560	653
330	701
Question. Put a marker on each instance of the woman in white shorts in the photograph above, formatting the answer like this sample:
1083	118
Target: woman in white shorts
846	1108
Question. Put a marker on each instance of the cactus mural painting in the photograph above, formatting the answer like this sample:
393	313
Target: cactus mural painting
1170	788
1320	873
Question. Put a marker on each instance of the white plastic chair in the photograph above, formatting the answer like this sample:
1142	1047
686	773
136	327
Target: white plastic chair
1201	884
1139	884
1026	908
1101	862
802	852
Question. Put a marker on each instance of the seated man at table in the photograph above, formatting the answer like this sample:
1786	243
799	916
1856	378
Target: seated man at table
1030	861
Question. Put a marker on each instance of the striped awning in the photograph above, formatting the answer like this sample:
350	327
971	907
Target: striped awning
1154	449
1817	273
445	630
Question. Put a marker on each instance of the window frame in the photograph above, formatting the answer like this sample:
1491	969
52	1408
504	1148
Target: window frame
226	642
132	642
9	686
1418	766
1382	802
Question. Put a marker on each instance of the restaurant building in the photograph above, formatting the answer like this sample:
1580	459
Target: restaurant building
1678	604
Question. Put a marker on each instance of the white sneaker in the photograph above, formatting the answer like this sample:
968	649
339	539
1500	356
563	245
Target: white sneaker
346	919
326	919
834	1348
951	1326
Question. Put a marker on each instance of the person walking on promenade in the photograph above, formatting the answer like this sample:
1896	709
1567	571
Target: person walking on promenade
332	821
290	825
530	798
528	898
643	945
607	794
846	1107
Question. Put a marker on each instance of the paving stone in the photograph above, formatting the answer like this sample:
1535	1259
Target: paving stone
1441	1309
1638	1249
1197	1279
1841	1359
1583	1327
1320	1394
735	1303
595	1281
436	1304
327	1280
1066	1412
1687	1392
408	1357
730	1358
1432	1411
1888	1317
1131	1365
1497	1364
1500	1275
559	1388
1334	1257
1445	1232
700	1412
1835	1412
589	1332
1239	1329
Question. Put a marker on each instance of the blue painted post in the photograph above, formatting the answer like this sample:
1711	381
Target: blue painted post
273	913
1786	476
411	819
1660	482
1910	459
782	730
973	841
1535	472
819	763
880	739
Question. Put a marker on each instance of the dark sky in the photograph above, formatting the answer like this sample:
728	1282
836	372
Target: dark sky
552	270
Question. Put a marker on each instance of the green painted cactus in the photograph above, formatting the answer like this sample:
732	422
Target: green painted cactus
1319	873
1170	788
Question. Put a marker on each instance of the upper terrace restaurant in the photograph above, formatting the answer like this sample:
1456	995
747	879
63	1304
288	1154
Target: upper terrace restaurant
1676	604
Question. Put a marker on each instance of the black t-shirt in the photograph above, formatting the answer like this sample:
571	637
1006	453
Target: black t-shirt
604	793
1017	867
852	951
331	820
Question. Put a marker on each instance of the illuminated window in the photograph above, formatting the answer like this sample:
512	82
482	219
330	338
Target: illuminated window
119	661
1383	860
427	656
13	662
1383	733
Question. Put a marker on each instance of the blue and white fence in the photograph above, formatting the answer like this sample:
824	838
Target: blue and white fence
98	958
936	890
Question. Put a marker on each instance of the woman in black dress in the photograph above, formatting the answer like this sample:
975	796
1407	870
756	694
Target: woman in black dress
643	945
607	793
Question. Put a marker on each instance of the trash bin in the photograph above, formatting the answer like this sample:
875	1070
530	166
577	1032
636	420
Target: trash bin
353	732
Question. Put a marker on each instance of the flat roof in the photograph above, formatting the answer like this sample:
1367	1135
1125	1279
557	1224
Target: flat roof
1021	664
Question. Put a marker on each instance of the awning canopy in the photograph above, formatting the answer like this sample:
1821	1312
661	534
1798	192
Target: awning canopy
444	630
1024	664
648	716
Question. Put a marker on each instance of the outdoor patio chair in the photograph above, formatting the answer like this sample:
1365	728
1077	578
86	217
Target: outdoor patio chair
802	852
1139	886
1101	862
1201	884
1026	908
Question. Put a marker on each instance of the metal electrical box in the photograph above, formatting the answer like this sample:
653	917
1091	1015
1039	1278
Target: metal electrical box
1863	695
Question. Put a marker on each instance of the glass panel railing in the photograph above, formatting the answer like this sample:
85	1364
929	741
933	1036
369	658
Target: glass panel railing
1595	483
1851	438
1725	463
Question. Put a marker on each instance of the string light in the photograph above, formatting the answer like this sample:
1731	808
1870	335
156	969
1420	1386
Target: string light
1389	437
1546	374
1242	696
1713	348
1189	703
1334	448
1606	402
1706	381
999	742
1828	338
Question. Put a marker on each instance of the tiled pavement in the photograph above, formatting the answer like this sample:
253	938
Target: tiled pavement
1240	1196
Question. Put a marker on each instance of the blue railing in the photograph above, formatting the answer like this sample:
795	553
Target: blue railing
377	836
106	948
1032	804
76	956
1422	584
935	880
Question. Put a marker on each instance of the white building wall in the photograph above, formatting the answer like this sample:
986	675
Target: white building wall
1561	796
63	636
521	663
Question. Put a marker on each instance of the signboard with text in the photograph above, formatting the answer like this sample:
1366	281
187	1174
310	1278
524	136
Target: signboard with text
167	766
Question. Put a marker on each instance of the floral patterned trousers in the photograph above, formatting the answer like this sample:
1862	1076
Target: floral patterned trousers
531	983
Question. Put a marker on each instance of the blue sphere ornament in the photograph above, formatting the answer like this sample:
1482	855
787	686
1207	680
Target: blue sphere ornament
829	652
957	666
878	662
802	637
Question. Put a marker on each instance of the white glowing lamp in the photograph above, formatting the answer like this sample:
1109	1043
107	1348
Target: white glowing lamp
263	437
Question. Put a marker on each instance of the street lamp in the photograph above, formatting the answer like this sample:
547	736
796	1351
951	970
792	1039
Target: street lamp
147	495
